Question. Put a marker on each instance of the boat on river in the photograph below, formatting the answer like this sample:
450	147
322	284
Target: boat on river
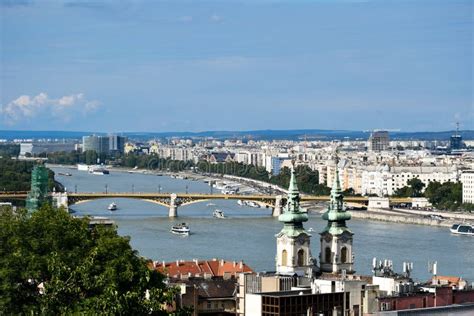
112	206
218	214
180	229
462	229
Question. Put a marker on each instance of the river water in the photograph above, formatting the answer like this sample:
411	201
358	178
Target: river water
248	233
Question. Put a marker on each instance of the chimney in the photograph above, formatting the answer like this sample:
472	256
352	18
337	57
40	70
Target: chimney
233	264
222	262
241	264
164	265
177	263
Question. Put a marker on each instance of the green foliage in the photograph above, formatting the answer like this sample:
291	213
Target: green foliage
446	196
83	271
15	175
9	150
413	189
308	180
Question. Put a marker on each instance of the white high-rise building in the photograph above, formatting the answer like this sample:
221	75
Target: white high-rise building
467	180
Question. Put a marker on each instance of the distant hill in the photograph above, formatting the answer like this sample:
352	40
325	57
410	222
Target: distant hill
310	134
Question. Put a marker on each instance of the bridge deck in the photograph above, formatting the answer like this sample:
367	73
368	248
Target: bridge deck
198	196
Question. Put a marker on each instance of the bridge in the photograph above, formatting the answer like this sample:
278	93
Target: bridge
173	200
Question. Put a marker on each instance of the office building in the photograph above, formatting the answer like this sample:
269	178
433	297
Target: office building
99	144
378	141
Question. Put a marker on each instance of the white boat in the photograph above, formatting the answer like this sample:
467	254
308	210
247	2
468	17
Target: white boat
112	206
310	230
211	204
98	171
180	229
248	203
462	229
218	214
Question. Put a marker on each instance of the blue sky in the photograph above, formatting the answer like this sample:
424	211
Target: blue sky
236	65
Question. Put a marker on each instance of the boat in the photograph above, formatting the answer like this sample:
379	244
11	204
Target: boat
248	203
64	174
98	171
112	206
180	229
218	214
462	229
211	204
310	230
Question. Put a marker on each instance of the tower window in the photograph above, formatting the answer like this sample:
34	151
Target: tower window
301	261
284	257
327	255
343	254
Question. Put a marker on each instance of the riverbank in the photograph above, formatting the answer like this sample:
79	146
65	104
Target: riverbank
402	216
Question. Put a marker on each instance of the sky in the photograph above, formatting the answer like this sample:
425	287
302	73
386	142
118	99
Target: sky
153	66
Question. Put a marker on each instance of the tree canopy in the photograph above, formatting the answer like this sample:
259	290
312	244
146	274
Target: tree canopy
413	189
52	263
15	175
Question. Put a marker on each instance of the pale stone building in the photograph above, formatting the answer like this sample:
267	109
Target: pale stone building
467	180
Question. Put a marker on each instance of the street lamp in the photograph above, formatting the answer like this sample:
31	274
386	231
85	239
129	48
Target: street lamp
159	188
186	189
106	188
75	188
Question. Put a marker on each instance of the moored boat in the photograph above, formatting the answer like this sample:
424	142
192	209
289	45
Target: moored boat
112	206
180	229
462	229
98	171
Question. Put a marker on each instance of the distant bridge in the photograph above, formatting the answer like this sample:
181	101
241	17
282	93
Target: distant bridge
173	200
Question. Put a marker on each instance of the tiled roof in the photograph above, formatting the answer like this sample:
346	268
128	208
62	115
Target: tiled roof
201	268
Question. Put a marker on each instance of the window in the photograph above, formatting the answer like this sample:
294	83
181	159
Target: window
284	257
327	255
301	261
343	254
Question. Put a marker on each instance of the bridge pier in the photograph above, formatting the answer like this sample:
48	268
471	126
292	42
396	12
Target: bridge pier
278	205
60	199
173	211
378	203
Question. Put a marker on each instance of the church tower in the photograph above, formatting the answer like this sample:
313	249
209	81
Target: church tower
293	241
336	239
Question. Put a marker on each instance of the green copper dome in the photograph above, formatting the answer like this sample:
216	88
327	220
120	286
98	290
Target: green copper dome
336	215
292	216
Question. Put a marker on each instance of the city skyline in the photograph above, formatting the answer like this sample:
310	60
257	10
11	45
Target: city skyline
236	66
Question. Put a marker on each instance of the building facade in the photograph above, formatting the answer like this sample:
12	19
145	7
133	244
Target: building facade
378	141
467	180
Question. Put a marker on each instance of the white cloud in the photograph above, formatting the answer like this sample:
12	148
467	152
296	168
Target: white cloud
28	107
216	18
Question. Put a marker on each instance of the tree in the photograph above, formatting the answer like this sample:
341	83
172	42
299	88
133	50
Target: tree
82	270
416	186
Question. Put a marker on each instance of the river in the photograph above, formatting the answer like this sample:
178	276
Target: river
248	233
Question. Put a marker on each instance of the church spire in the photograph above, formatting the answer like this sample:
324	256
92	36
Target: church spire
292	215
293	241
336	215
